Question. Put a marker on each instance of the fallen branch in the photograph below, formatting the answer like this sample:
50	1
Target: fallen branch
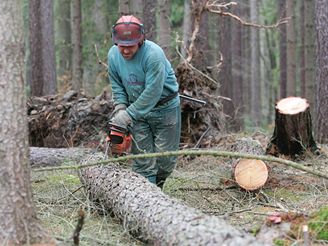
80	222
214	153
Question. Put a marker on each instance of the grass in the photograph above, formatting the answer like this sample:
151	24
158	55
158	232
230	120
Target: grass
202	182
59	196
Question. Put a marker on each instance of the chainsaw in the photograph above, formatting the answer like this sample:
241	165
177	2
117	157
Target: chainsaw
119	140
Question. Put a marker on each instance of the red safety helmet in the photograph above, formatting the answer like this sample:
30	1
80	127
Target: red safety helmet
128	31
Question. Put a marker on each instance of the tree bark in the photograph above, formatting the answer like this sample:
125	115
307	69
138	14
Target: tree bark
76	28
153	216
149	19
63	37
145	211
322	71
282	49
18	222
255	68
48	49
291	49
292	135
164	35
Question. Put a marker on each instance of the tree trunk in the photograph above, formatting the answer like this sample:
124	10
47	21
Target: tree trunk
322	71
282	49
48	49
77	45
292	135
124	7
145	211
63	37
149	18
186	28
164	36
310	52
18	222
36	74
153	216
255	67
137	7
291	50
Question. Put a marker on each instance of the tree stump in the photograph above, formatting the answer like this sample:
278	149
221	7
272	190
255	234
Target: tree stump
292	135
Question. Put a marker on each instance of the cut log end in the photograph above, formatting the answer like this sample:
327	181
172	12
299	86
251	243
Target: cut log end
251	174
292	105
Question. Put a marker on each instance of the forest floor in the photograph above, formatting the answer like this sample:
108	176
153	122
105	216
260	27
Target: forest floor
278	210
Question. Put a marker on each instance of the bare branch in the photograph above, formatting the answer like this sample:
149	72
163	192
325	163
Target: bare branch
215	7
100	61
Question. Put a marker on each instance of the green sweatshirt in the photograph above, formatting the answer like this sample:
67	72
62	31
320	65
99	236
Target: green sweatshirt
142	81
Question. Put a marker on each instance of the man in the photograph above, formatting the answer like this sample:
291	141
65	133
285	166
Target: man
145	93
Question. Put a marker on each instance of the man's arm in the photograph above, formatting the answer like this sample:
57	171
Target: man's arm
154	84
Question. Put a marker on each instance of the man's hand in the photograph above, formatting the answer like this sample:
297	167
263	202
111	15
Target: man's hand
122	118
117	108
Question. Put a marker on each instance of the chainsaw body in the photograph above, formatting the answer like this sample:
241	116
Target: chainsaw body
119	139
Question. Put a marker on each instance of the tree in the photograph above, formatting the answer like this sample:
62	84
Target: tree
63	37
291	50
123	7
149	19
137	6
186	27
321	13
308	50
77	45
42	48
255	67
164	35
18	222
282	49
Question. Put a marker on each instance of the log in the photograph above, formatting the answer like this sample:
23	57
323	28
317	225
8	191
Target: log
45	157
145	211
249	174
292	134
153	216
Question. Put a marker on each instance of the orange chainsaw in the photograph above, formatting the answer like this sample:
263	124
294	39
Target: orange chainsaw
119	140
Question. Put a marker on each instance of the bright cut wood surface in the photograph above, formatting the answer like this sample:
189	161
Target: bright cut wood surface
292	105
251	174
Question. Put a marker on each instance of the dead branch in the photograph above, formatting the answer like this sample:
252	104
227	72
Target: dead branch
214	153
100	61
80	222
215	7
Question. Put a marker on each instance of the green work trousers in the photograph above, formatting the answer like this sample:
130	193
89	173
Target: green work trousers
158	131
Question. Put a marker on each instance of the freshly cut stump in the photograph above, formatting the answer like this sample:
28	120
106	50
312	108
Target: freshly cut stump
292	135
251	174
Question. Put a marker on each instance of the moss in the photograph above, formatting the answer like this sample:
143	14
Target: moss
280	242
288	195
318	224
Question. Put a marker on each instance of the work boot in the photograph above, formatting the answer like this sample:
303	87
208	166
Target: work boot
160	182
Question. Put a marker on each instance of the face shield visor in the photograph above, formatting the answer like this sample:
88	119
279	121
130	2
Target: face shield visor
127	33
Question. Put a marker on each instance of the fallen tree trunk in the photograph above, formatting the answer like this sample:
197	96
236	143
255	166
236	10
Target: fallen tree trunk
47	157
153	216
145	211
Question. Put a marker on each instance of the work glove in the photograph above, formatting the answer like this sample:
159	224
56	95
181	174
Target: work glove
117	108
122	118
